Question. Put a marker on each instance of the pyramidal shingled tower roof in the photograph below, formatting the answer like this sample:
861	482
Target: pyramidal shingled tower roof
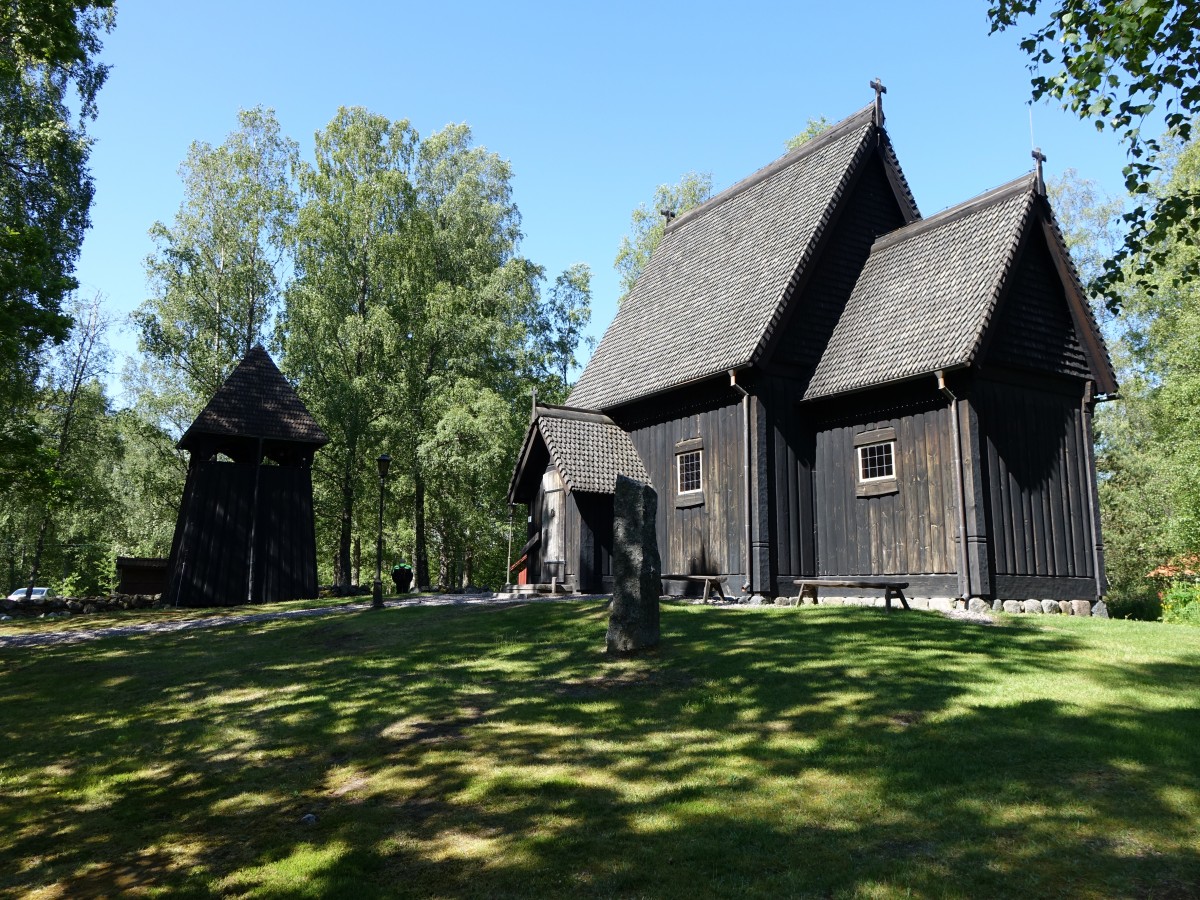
256	401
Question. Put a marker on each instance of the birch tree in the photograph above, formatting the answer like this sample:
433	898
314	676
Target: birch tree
219	270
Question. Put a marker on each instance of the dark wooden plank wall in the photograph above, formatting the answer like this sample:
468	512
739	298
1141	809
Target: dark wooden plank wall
708	537
286	560
1038	480
596	533
791	454
210	554
910	532
1033	328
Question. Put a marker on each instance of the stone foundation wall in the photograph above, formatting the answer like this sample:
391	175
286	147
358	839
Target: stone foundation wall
946	604
56	607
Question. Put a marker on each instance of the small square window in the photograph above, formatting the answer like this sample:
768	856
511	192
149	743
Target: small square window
688	465
876	462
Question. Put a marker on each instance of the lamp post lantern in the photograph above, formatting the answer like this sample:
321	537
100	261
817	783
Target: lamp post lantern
377	588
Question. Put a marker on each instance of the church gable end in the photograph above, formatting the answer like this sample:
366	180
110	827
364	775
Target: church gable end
1034	328
870	211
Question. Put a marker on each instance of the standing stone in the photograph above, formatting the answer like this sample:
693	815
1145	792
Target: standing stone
997	605
637	573
1082	607
1100	609
978	605
1065	606
1012	606
1032	606
1051	607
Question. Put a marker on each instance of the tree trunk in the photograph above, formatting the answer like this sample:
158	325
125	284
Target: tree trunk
344	532
445	577
468	565
357	560
421	557
37	555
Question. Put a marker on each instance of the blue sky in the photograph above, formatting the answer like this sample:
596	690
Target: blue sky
593	105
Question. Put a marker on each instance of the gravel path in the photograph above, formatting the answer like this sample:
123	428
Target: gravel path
75	636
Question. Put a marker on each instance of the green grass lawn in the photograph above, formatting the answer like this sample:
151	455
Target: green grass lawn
496	752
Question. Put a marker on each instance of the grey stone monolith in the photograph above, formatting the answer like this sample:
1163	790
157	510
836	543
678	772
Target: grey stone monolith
1100	609
637	569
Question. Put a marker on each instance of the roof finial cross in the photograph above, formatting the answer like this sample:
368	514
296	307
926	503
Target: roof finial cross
667	214
880	90
1039	158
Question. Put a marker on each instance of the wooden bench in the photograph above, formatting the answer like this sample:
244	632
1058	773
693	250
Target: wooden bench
891	589
710	581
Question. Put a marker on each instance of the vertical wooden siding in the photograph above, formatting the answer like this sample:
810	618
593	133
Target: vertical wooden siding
210	555
1038	479
910	532
791	455
708	537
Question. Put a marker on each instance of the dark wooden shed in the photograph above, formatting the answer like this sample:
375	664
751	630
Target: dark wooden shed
245	531
820	382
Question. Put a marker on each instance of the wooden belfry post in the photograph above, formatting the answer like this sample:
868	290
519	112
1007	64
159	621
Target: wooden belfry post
245	530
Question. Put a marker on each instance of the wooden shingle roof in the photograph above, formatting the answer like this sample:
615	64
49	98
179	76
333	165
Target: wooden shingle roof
256	401
588	449
928	292
719	280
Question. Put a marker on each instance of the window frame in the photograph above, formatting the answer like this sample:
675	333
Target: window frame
684	450
876	485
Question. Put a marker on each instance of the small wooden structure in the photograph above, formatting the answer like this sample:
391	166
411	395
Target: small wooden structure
245	531
141	575
823	384
567	474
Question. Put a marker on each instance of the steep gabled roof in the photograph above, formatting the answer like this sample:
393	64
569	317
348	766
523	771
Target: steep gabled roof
929	290
719	279
588	449
256	401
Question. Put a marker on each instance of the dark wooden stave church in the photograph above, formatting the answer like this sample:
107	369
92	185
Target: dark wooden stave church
819	382
245	531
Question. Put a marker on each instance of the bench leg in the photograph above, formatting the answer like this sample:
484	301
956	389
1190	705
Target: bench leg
707	589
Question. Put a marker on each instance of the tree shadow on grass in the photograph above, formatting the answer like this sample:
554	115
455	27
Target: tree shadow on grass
497	752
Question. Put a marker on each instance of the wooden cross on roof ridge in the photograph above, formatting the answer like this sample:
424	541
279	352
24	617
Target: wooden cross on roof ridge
880	90
1039	158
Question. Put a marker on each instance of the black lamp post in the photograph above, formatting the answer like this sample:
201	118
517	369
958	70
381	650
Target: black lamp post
377	588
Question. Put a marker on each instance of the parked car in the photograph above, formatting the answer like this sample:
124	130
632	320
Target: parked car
39	593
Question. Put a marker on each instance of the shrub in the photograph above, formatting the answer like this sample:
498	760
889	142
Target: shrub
1144	607
1181	602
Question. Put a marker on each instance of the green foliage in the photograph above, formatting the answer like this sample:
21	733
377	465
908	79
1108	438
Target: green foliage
49	79
646	225
218	272
811	129
1115	62
568	309
1148	451
1181	603
413	326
